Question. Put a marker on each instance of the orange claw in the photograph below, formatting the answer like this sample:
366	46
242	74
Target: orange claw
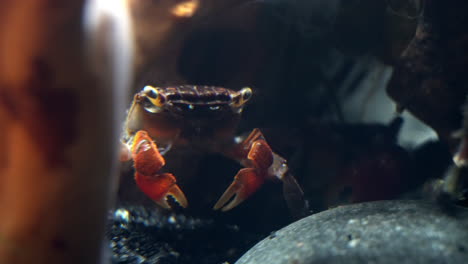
146	157
159	187
148	161
256	154
245	183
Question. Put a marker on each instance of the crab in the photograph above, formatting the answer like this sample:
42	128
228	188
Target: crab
206	118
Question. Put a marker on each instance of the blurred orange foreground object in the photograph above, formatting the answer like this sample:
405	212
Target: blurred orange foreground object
58	135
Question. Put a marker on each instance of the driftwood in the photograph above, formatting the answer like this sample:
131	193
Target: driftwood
430	77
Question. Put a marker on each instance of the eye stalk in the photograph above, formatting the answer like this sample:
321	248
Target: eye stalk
153	96
242	97
246	94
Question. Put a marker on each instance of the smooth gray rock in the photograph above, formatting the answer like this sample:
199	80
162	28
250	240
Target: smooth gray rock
376	232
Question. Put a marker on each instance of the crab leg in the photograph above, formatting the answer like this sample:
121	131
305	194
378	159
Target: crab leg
256	155
148	161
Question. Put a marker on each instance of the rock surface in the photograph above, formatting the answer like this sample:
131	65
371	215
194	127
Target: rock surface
376	232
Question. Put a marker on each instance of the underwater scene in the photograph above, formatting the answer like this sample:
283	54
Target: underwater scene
233	131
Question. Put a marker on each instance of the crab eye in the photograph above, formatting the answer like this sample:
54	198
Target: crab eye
246	93
151	92
154	96
242	97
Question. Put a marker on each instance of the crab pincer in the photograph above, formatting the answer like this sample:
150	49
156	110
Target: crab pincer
147	162
261	164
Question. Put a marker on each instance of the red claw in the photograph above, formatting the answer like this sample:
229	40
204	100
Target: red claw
255	153
146	157
245	183
159	187
148	161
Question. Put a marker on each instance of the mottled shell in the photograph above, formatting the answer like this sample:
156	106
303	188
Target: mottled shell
189	113
193	100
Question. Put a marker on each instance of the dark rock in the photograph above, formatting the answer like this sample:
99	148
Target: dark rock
428	80
376	232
